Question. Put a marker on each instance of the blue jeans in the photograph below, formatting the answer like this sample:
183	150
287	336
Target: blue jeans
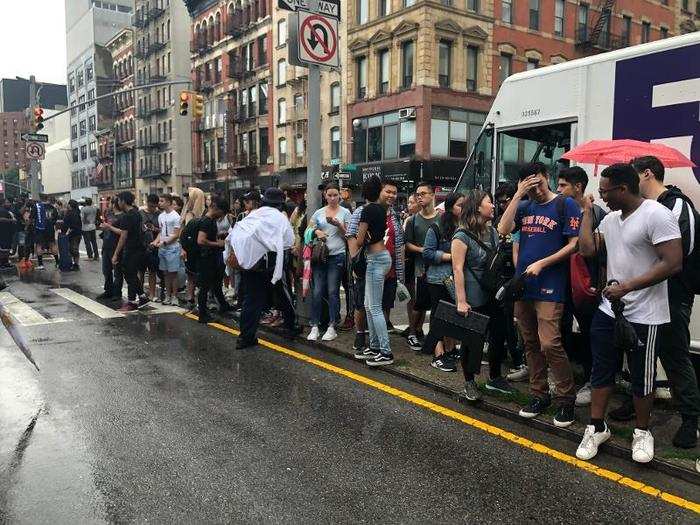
378	265
326	279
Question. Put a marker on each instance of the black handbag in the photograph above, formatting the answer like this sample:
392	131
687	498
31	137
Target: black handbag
319	253
625	338
458	326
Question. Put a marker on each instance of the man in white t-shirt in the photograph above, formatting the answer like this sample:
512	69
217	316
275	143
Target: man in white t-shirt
643	245
168	245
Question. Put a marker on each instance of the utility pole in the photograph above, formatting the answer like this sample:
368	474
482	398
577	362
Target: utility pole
35	185
313	165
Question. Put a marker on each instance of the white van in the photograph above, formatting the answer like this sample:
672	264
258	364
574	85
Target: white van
649	92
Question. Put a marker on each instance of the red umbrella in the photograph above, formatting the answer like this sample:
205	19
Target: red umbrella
607	152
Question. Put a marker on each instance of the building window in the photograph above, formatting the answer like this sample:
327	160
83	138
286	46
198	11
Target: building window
335	142
663	31
71	84
83	128
91	96
407	52
582	22
88	73
299	146
472	68
299	104
335	98
91	123
384	72
262	50
262	98
281	72
408	3
81	81
454	131
383	137
559	6
506	65
282	151
361	68
81	100
646	32
74	131
282	32
534	14
362	11
473	5
532	63
83	152
626	29
507	11
445	59
264	146
75	154
384	7
281	111
93	148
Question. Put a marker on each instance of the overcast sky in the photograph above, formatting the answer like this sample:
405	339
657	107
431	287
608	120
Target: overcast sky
33	40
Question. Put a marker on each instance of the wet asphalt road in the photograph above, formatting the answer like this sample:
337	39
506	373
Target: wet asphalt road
157	418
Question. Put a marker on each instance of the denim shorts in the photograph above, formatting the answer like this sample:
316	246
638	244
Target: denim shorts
169	258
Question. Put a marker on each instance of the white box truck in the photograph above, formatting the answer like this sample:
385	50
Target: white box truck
649	92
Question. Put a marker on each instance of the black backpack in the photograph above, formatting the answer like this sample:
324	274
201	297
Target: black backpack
690	275
188	237
496	259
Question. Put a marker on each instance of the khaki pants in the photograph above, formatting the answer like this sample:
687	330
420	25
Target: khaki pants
539	323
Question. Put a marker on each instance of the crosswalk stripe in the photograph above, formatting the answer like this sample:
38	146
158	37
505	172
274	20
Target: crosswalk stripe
23	313
94	307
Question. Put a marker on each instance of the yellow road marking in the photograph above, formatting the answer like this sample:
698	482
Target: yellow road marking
486	427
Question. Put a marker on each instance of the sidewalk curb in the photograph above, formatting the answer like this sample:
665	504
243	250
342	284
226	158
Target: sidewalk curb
493	408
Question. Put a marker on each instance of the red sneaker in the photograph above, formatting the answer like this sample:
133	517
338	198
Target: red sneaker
128	307
347	325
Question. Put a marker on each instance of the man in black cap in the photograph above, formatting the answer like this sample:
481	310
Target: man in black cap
259	244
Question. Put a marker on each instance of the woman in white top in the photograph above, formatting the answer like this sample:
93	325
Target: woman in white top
329	224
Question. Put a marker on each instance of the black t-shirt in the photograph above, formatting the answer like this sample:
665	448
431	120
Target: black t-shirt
131	222
375	216
208	226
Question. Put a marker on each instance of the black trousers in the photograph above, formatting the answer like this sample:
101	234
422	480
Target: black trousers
256	286
674	353
90	239
113	276
210	276
131	264
473	347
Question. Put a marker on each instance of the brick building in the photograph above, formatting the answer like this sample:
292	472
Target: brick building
418	82
231	67
12	149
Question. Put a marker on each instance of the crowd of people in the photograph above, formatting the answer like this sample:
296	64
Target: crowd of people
531	261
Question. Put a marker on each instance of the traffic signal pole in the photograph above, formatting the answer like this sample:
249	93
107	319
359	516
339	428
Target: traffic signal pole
313	165
35	185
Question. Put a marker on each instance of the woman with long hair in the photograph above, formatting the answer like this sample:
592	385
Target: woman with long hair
194	209
329	224
472	246
437	258
370	234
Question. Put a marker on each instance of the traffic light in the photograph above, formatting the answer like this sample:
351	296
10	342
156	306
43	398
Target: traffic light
38	118
198	109
184	102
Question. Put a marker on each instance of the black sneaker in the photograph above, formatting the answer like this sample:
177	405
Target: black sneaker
535	407
143	301
104	296
381	360
471	391
366	353
243	343
565	416
500	385
404	332
414	343
687	434
624	412
444	363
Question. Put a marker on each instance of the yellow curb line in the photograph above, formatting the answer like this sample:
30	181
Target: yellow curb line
486	427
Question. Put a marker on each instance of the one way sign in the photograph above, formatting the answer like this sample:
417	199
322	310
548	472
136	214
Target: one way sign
325	7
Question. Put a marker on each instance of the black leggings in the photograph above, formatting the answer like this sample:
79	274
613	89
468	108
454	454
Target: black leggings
473	346
438	293
132	264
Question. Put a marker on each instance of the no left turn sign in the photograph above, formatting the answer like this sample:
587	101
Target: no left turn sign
318	39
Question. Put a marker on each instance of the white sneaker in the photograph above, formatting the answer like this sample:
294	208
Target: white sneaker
642	446
167	301
591	441
313	335
330	334
583	396
518	374
662	392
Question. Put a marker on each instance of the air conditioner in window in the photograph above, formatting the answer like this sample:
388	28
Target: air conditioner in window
407	113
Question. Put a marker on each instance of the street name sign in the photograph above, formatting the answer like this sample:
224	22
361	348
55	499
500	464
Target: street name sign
34	137
35	151
325	7
317	39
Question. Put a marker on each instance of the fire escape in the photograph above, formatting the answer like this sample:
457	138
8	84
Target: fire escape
598	37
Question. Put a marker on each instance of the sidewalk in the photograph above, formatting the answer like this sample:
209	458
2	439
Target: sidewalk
416	367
